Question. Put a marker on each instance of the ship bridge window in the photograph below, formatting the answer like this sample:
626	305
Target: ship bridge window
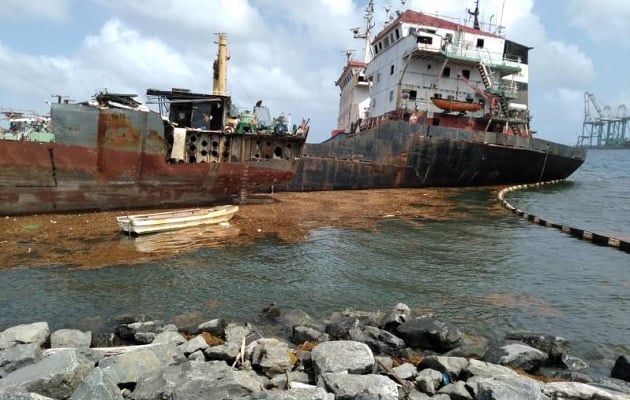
375	49
480	43
397	34
449	37
410	94
386	41
391	69
425	39
446	72
412	30
466	73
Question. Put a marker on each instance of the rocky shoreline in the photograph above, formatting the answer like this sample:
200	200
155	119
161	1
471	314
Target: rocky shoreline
390	354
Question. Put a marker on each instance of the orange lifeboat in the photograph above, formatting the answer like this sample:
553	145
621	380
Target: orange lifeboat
455	105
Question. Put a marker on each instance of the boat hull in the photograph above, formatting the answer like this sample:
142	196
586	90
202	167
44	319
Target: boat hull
110	159
397	154
173	220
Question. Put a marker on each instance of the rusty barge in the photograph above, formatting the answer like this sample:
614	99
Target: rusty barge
434	102
115	153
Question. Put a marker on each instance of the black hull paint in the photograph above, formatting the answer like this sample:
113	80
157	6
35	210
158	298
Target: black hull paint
401	155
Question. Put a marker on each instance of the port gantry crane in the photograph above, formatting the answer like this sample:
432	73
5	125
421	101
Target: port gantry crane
603	128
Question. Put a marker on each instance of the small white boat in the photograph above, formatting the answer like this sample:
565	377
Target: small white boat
176	219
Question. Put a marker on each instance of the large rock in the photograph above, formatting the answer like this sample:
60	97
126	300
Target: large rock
505	387
451	366
18	356
70	338
579	391
621	370
517	355
141	332
342	356
393	318
556	347
345	386
306	333
56	376
429	333
97	385
380	341
310	393
270	356
126	368
36	332
196	380
215	327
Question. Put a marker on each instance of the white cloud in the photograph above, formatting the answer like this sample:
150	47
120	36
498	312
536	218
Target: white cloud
604	20
53	10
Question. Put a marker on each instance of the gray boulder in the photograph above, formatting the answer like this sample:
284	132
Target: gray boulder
380	341
429	333
126	368
310	393
348	386
21	394
36	332
555	346
169	337
235	332
429	380
456	391
192	380
18	356
621	369
307	333
342	356
97	385
398	315
142	332
406	371
195	344
505	387
517	355
484	369
451	366
270	356
56	376
215	327
224	352
70	338
578	391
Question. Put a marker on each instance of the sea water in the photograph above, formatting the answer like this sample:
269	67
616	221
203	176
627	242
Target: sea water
486	270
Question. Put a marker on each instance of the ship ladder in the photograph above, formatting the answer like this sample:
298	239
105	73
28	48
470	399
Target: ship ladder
485	76
244	183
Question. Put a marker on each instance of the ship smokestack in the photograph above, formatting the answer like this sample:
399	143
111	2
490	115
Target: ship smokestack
219	82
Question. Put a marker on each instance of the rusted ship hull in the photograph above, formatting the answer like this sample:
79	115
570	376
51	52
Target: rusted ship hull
397	154
107	159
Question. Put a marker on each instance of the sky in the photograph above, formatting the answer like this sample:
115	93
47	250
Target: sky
289	53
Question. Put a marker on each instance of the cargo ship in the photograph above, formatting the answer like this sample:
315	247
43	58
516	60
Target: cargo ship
434	102
114	152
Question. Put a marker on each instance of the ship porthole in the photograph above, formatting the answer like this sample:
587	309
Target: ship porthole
193	147
215	153
277	152
204	153
204	143
257	156
215	144
193	138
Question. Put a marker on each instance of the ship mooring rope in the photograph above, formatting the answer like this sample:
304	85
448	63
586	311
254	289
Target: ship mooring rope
581	234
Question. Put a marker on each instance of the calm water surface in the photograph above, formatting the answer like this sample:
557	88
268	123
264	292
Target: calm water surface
488	272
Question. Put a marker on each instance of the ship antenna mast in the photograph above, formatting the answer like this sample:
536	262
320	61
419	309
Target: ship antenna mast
476	15
366	35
